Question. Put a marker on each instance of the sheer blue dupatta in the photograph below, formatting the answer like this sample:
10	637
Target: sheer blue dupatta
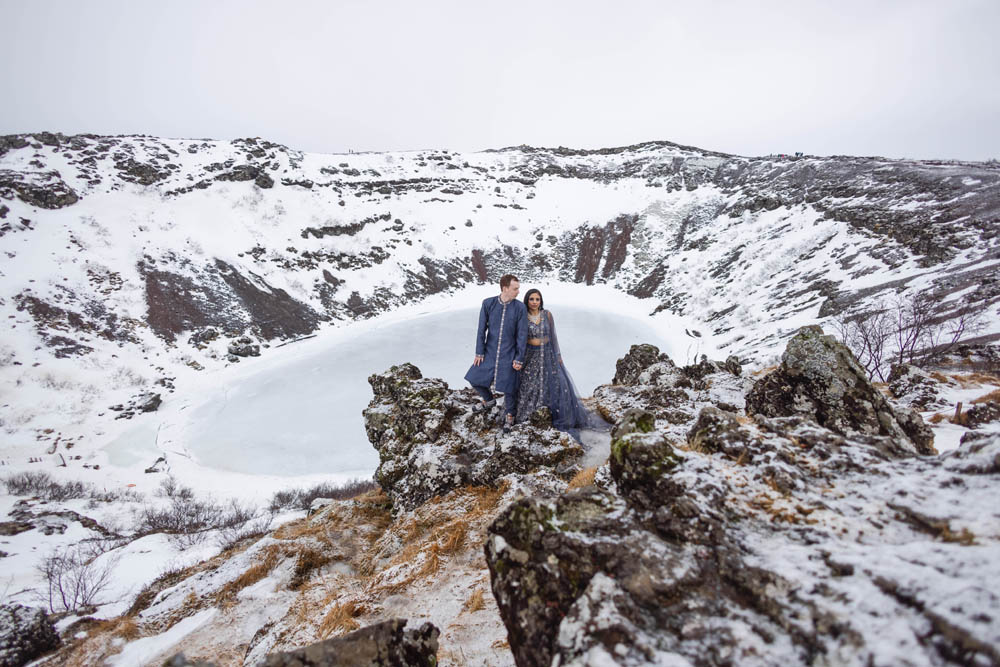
568	412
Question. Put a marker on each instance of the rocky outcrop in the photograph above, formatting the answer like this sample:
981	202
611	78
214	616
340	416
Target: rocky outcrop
820	378
430	441
914	387
386	644
757	540
25	634
41	189
981	413
220	295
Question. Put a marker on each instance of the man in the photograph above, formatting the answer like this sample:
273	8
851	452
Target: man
500	342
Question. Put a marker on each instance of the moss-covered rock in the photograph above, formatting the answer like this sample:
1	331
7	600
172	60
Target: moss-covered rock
820	378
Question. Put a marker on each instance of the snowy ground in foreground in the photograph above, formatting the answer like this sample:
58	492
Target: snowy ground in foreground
294	415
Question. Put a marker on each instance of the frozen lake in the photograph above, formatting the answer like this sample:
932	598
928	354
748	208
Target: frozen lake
296	412
305	417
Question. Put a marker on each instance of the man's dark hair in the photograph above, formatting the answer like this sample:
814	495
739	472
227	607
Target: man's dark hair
506	280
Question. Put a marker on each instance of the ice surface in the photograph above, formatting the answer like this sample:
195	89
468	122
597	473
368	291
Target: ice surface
304	416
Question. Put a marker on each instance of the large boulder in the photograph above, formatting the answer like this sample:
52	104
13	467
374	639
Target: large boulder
430	440
639	358
25	634
820	378
386	644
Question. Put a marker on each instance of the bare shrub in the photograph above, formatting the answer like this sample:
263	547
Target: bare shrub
42	485
171	489
74	581
914	330
302	499
185	520
188	521
241	522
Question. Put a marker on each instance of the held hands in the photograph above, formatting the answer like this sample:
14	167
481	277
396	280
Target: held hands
516	365
478	360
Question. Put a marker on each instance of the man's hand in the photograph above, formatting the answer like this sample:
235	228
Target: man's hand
516	365
478	360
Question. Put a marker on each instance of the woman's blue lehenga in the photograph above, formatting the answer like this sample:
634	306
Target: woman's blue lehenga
546	383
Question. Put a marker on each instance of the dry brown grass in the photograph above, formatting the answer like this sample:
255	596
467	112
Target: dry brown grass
476	601
340	619
127	629
992	396
764	371
973	379
269	558
583	478
453	536
937	418
307	561
940	377
432	562
964	537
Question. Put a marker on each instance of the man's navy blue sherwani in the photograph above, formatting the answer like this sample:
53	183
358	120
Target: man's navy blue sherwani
500	340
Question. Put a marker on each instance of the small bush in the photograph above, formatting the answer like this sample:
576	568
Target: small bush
171	489
42	485
73	581
301	499
187	521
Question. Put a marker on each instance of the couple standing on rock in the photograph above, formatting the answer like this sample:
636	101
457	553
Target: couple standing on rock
517	355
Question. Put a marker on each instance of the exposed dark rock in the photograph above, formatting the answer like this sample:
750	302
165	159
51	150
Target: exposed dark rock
639	358
429	441
914	387
243	172
820	378
244	347
264	180
386	644
720	432
981	413
148	402
142	173
41	189
25	634
223	297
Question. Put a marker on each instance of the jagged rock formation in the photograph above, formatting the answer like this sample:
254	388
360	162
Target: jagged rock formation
820	379
386	644
25	634
430	442
754	540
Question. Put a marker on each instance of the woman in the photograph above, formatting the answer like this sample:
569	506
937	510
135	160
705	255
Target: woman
544	380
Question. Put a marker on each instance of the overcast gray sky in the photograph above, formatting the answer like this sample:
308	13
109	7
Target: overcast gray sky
880	77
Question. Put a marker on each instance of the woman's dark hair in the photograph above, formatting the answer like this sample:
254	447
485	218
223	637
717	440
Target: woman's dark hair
541	301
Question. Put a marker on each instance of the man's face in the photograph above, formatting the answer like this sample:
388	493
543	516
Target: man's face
510	292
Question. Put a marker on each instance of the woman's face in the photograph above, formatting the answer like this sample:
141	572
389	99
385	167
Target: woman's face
534	302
